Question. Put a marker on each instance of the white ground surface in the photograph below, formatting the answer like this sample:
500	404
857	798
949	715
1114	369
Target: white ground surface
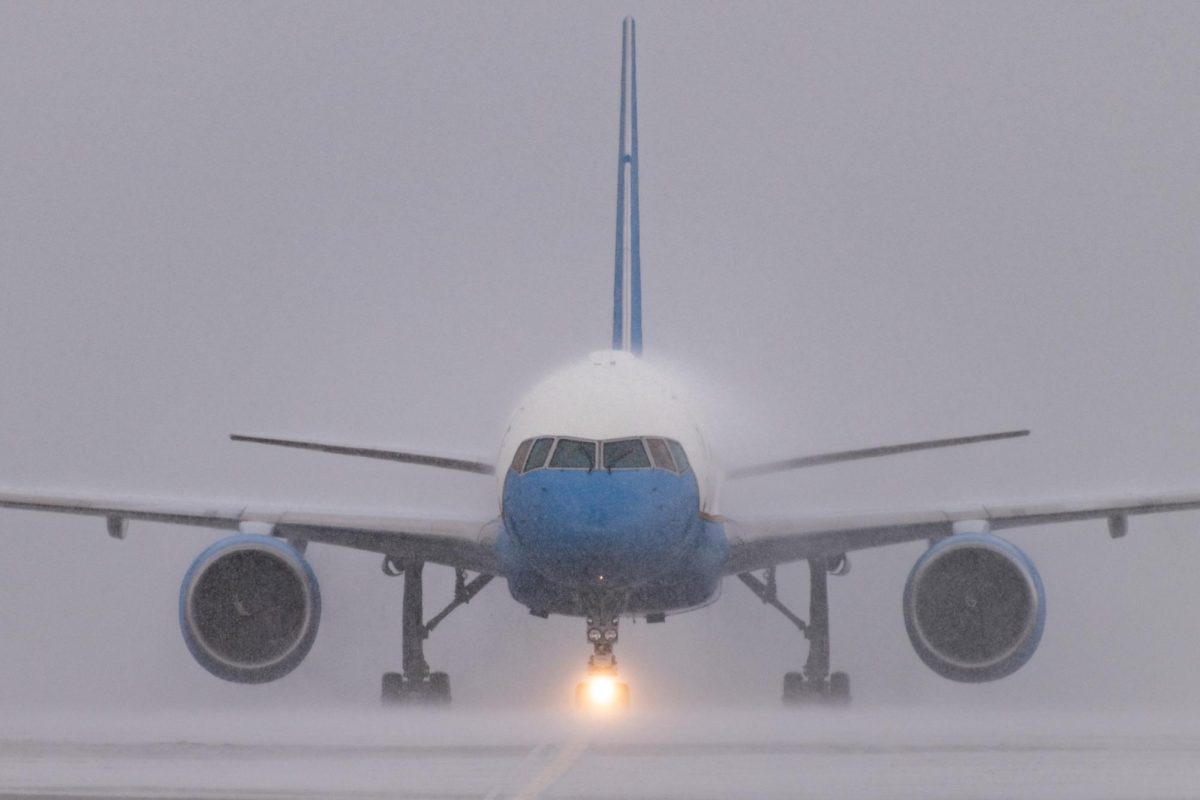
712	754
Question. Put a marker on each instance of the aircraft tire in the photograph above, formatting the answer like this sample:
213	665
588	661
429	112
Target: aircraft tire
793	687
439	689
392	688
839	689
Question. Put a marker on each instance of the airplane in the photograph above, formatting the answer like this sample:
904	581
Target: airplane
608	497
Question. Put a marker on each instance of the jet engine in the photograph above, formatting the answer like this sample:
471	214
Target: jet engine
249	608
974	608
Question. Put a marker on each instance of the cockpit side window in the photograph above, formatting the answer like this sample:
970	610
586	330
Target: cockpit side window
625	454
538	453
661	454
522	452
574	454
681	460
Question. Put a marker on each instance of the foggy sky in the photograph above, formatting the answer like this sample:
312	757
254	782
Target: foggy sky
379	224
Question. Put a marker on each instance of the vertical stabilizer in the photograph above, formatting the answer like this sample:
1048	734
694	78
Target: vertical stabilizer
627	281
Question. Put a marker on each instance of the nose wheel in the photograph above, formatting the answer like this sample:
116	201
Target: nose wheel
601	689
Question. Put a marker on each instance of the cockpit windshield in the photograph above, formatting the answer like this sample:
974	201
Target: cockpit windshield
661	455
681	459
615	454
537	453
625	454
574	454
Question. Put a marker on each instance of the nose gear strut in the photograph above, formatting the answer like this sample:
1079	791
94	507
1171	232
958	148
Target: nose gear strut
602	632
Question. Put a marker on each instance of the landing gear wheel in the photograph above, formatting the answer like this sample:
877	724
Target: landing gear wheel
432	690
798	690
393	688
792	683
439	689
839	689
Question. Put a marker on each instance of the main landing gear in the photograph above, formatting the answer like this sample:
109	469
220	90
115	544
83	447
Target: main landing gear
601	689
815	684
417	684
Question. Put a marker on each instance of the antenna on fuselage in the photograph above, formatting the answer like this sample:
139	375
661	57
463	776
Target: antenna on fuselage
627	281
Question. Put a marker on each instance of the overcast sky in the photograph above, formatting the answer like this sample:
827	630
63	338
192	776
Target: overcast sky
381	223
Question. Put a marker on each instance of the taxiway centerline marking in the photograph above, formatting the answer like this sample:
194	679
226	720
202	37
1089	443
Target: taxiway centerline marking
567	756
525	765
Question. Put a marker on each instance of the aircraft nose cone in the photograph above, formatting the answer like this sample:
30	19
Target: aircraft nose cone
600	529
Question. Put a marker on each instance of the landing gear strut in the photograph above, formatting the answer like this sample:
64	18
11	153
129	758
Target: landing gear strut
602	687
417	684
815	684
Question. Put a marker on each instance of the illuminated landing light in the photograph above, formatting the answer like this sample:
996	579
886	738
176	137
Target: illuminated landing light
602	693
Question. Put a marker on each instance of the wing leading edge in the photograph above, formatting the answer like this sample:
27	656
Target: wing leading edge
466	544
422	459
836	457
766	543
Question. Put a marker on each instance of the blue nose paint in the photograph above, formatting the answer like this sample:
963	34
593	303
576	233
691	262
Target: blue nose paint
601	529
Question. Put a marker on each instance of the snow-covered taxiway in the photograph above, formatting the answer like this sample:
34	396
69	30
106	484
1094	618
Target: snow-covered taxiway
900	753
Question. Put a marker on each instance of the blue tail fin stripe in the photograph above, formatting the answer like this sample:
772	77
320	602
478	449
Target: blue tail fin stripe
619	269
627	300
635	277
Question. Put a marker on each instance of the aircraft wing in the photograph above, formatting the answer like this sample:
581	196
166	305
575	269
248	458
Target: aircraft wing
765	543
466	544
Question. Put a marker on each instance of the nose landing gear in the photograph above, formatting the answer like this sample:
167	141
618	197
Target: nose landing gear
601	689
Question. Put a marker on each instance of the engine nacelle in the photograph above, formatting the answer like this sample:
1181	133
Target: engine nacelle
974	608
249	609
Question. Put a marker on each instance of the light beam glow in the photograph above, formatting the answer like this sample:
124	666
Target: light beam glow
601	691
